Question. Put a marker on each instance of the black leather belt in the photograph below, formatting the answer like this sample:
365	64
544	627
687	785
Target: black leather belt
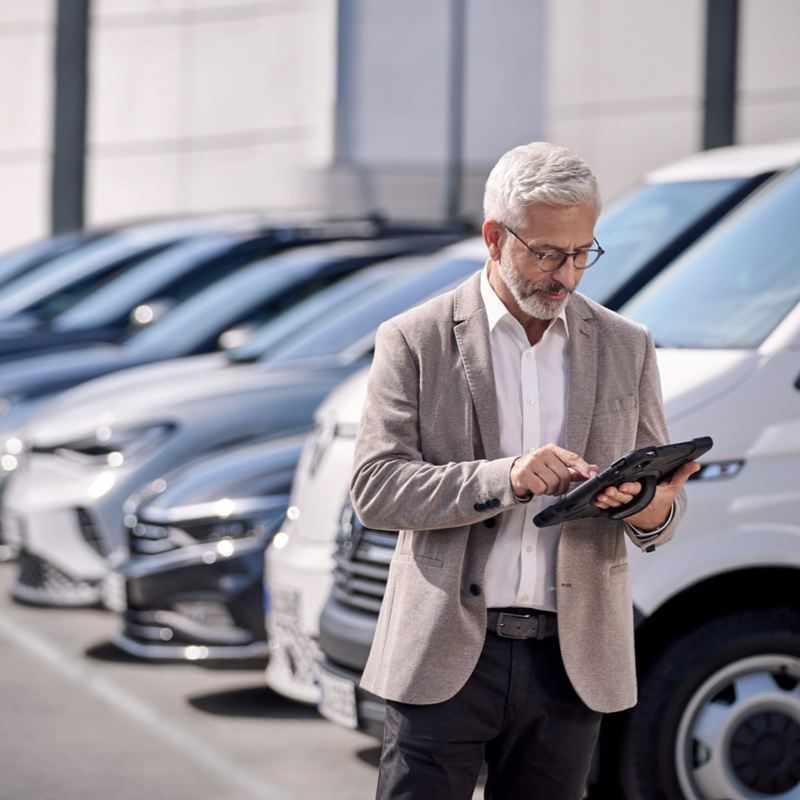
521	623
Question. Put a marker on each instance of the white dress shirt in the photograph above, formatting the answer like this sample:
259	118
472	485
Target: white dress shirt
531	387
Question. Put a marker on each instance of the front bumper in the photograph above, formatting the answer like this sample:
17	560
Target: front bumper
198	603
40	582
369	711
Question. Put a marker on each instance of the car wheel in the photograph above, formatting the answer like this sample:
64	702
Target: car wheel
719	714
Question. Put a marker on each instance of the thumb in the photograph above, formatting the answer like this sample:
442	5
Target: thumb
681	475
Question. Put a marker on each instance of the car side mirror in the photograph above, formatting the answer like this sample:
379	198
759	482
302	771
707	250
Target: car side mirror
234	337
147	313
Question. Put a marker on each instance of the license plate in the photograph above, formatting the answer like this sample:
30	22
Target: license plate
112	592
338	699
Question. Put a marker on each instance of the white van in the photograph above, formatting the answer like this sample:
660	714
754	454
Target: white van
718	609
297	566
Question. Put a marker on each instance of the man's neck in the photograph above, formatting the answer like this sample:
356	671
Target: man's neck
534	327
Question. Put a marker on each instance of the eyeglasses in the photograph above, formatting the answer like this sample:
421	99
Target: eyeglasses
552	260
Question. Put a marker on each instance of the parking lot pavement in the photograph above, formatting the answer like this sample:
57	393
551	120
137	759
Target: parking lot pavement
82	721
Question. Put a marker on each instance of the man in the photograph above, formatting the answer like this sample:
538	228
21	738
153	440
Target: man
496	639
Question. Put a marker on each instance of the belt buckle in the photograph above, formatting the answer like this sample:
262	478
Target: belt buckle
502	615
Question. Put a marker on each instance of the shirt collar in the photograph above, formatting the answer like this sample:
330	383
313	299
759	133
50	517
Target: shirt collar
496	309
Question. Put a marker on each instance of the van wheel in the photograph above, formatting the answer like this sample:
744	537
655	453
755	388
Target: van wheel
719	714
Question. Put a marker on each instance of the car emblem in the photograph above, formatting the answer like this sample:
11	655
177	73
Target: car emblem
323	436
351	529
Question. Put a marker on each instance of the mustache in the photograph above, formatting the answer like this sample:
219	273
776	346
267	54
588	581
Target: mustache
552	288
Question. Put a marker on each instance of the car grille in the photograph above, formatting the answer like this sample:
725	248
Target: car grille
37	573
361	563
90	533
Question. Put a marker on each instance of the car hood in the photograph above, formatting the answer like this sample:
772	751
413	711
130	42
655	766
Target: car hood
343	405
251	470
693	378
187	399
49	372
140	378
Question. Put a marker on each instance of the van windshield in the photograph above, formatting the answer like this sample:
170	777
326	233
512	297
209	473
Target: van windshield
643	222
733	288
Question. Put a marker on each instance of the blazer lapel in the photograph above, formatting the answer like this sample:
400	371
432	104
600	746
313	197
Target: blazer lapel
582	373
472	336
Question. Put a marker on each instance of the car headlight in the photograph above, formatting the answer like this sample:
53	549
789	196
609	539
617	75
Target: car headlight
115	446
204	523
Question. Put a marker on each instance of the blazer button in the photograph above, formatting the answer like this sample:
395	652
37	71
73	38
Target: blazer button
495	502
489	523
474	589
479	507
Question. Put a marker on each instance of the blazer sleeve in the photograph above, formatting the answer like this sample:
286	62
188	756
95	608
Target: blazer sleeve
652	429
392	487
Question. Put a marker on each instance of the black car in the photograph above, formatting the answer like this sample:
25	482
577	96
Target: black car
192	586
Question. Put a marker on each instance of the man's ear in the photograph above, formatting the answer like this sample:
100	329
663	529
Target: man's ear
492	236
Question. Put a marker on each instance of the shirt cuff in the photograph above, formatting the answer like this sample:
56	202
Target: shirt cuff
644	536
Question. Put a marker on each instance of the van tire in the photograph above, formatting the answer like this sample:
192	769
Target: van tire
677	726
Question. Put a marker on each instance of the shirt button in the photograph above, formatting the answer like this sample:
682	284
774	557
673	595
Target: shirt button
529	355
531	401
529	549
524	598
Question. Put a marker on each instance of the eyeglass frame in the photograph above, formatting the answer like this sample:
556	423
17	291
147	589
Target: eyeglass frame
542	254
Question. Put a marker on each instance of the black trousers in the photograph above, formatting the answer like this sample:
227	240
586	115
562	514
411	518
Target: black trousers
517	711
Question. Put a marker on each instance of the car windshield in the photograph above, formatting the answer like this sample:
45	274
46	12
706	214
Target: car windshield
30	256
734	287
173	273
645	221
220	300
339	331
57	284
301	317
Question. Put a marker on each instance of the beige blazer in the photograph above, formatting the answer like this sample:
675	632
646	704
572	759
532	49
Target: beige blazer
427	464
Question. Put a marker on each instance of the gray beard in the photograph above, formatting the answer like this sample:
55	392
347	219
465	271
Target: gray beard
528	294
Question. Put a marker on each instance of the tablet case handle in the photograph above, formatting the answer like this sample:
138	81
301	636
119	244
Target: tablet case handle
649	483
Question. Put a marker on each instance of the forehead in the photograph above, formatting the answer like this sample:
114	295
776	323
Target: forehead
540	221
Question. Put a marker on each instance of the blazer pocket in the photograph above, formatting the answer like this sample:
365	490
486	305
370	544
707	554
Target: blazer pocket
408	557
616	405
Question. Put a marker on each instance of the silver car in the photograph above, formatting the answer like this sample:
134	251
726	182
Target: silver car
63	504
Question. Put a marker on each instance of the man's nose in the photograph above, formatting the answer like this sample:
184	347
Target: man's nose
567	274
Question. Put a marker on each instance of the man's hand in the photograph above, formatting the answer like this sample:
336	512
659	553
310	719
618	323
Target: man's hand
548	470
654	514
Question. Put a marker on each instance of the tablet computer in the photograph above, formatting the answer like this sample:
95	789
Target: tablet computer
648	465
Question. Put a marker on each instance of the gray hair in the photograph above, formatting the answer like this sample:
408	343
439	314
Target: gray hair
538	172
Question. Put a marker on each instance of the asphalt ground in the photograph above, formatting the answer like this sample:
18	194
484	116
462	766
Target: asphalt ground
79	720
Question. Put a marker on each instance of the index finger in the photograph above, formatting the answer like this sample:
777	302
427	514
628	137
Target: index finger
573	461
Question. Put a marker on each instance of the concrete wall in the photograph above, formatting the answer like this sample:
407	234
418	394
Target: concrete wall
199	105
26	43
769	71
343	105
395	91
625	84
